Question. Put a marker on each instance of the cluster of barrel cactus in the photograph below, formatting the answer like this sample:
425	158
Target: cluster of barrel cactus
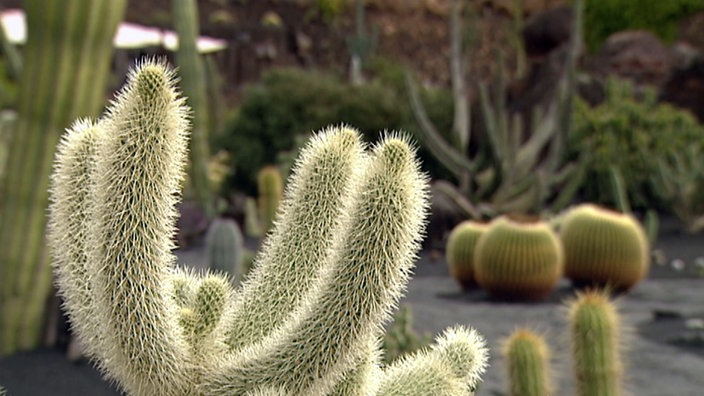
309	317
516	259
594	328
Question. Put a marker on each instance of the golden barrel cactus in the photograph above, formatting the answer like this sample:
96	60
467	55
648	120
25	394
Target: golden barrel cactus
604	248
518	260
459	251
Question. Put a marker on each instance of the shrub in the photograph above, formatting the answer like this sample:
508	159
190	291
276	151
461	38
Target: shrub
288	103
632	135
604	17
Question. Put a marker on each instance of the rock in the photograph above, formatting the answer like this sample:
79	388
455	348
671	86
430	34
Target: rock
636	55
192	223
685	87
546	31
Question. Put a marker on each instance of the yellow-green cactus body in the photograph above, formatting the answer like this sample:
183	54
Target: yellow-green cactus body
527	358
308	319
518	260
604	248
138	175
595	330
69	232
459	251
270	187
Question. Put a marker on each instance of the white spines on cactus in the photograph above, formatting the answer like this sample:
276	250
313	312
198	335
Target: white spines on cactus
317	195
139	172
452	367
68	232
308	319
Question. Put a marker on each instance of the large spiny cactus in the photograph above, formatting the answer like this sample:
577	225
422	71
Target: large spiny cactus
308	319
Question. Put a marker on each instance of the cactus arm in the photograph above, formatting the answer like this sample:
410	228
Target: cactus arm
193	82
450	157
68	230
225	249
142	156
363	378
270	186
316	196
364	277
458	66
452	367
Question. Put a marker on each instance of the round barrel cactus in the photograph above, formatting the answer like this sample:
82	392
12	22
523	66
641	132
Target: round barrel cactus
604	248
459	251
518	260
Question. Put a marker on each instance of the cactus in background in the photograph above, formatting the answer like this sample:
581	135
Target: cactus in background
680	182
459	251
603	247
304	321
225	250
193	83
518	260
400	338
64	74
526	172
528	357
270	189
595	332
361	45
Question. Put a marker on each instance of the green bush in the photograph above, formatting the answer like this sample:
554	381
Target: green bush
288	103
631	134
604	17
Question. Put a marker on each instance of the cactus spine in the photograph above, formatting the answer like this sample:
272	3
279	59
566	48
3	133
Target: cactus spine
518	260
595	328
527	356
225	249
270	187
64	74
603	247
459	251
305	321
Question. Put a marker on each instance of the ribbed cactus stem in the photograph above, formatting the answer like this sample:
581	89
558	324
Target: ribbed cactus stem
595	332
459	251
270	187
527	358
142	155
225	249
518	260
317	195
370	261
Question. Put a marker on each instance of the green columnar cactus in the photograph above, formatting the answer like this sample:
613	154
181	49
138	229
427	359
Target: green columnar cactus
595	329
193	82
459	251
518	260
270	187
225	249
603	247
306	321
527	357
64	73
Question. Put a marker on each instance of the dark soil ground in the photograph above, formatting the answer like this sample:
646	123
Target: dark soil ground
663	316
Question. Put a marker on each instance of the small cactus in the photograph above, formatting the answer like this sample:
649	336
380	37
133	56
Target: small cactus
270	187
518	260
459	251
527	356
225	250
603	248
595	328
400	337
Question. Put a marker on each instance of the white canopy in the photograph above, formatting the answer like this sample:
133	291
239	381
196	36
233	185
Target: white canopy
129	35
